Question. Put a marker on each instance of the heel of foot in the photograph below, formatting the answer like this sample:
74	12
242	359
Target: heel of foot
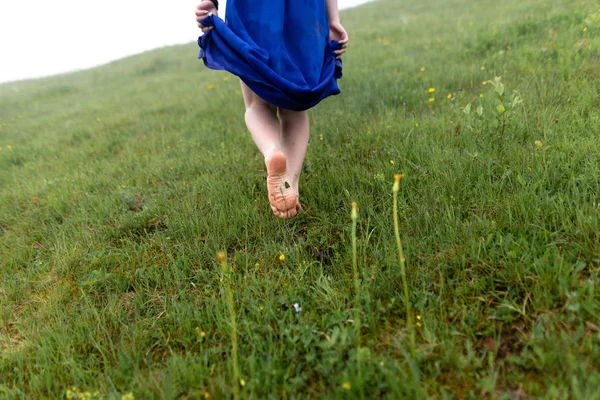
276	163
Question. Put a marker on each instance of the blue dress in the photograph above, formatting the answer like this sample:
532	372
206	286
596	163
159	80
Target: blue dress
279	48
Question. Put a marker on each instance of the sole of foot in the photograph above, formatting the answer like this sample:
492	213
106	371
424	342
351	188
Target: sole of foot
282	197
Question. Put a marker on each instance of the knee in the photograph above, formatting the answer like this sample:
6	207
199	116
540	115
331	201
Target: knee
260	106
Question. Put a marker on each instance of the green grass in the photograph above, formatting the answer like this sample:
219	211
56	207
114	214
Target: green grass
119	186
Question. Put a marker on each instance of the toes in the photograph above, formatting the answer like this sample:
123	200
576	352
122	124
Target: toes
284	213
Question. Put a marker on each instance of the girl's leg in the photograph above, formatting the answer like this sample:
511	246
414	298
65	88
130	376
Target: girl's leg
295	131
263	124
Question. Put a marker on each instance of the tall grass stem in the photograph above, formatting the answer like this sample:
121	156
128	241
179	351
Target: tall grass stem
357	308
231	308
409	316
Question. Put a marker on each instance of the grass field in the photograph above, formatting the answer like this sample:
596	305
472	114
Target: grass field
119	186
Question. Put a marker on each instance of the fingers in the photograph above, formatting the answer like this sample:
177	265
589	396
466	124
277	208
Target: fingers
205	28
343	47
206	6
343	43
201	15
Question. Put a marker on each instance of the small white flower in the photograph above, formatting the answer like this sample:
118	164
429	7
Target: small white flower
297	307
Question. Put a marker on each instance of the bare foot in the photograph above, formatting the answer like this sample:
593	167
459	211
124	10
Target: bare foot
282	197
297	192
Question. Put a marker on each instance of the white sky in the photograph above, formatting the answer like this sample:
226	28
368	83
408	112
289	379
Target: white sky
46	37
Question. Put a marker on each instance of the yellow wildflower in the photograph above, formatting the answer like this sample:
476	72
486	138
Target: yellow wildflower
480	94
431	90
484	83
8	147
449	96
242	383
539	143
392	162
482	68
282	257
417	124
210	86
585	29
431	99
396	187
346	385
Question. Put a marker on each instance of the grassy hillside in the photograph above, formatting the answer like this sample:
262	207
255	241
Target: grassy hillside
119	185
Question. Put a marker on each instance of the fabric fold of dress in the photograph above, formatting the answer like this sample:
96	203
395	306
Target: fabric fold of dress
279	48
